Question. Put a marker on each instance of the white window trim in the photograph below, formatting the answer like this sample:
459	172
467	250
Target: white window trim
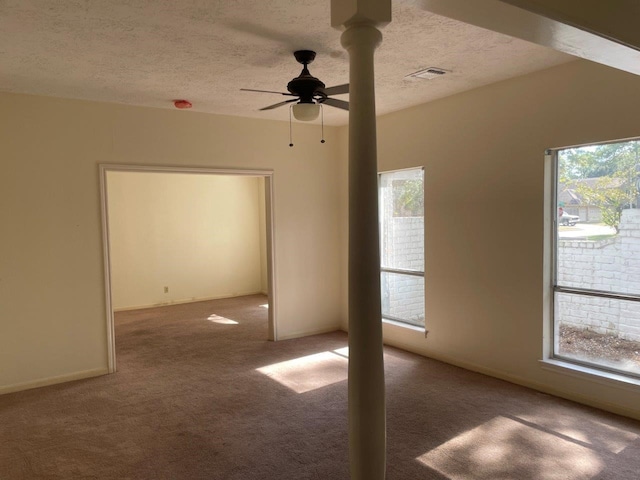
550	361
595	375
385	318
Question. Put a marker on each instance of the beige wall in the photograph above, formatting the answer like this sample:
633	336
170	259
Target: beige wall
52	307
483	153
198	235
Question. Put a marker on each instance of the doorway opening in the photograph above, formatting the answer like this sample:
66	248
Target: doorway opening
176	235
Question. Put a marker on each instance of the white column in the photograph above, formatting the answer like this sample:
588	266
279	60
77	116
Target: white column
367	416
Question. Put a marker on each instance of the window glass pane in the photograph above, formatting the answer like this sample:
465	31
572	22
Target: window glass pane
402	215
598	330
403	298
598	217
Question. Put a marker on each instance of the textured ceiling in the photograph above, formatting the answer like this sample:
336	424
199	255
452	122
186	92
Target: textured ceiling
149	52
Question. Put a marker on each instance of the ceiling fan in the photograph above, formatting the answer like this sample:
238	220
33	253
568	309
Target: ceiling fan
309	92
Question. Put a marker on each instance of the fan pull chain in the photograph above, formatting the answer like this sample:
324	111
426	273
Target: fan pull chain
322	122
290	134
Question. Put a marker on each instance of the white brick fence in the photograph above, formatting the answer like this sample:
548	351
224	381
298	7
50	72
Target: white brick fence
403	295
612	264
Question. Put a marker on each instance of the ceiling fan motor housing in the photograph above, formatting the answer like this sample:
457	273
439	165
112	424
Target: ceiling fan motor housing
306	86
306	89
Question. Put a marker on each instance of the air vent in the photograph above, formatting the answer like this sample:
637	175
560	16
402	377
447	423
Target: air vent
429	73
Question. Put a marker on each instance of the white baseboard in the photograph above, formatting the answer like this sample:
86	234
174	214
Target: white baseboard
309	333
191	300
43	382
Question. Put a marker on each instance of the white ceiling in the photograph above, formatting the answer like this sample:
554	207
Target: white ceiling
150	52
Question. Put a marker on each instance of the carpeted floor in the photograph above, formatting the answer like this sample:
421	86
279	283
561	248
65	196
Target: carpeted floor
198	396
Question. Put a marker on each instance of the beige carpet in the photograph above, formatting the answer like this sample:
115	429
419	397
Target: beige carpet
201	394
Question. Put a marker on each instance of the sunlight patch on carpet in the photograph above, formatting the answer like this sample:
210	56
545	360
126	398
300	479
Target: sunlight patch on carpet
504	448
222	320
308	373
343	352
587	430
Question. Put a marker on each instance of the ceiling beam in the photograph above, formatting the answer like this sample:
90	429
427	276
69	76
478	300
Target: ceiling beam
616	20
603	32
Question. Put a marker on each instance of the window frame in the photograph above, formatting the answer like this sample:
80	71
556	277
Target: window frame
552	160
400	271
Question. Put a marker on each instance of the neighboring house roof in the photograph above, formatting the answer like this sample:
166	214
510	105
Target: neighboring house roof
568	197
568	192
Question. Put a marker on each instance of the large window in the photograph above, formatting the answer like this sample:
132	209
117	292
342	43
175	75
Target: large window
597	256
402	246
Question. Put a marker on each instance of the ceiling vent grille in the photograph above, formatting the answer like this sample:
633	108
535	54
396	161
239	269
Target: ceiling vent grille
429	73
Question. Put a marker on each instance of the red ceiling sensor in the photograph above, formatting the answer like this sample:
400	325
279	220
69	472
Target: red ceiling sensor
182	104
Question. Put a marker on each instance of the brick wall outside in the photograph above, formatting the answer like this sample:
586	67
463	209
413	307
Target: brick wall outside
612	265
403	295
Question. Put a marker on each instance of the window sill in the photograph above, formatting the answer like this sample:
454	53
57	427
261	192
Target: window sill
589	373
405	325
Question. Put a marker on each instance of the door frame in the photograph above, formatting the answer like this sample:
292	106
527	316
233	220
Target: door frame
268	176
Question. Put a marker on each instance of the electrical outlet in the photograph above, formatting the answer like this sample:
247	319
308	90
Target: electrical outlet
166	289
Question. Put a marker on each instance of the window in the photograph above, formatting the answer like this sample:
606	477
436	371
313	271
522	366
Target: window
597	256
402	246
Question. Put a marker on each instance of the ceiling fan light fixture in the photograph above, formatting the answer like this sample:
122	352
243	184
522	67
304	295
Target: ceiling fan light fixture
306	112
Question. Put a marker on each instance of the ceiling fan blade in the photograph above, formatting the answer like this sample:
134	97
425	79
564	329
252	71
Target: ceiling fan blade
334	102
266	91
337	90
276	105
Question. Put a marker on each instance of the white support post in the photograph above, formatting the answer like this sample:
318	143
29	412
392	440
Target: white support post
367	416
